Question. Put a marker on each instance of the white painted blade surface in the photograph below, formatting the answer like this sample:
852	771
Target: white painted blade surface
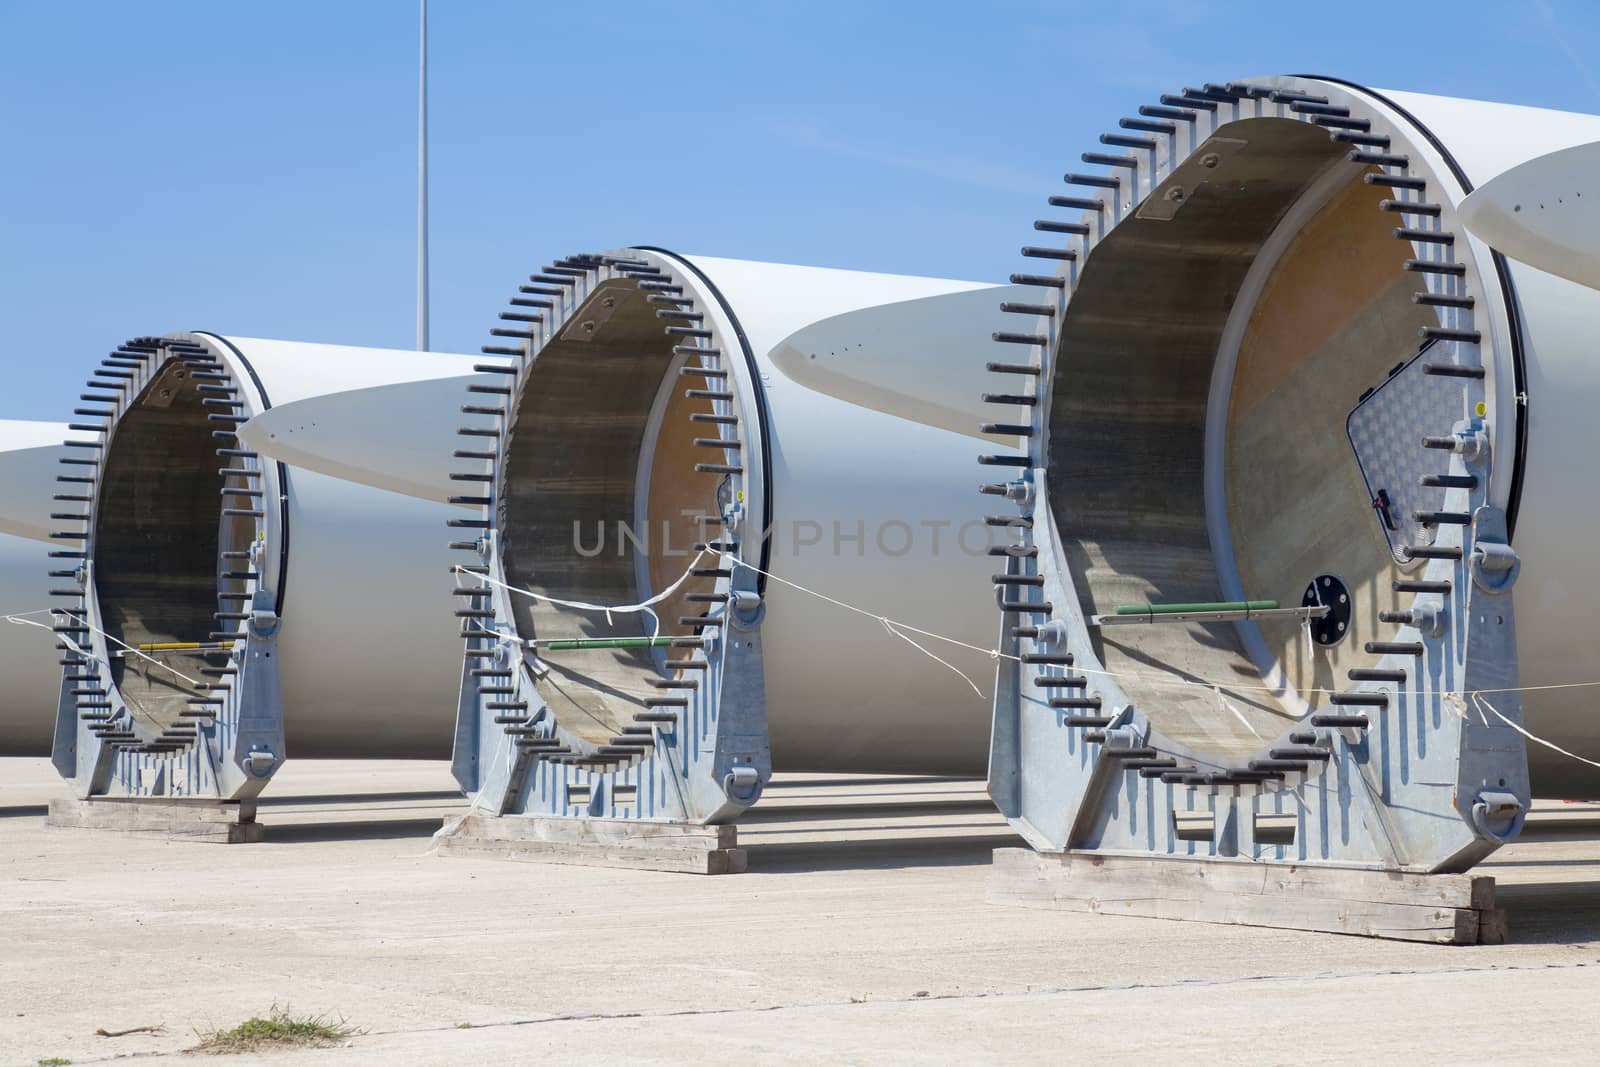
924	359
1545	213
29	455
397	437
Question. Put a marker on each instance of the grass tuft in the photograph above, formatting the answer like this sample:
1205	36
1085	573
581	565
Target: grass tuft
55	1061
280	1028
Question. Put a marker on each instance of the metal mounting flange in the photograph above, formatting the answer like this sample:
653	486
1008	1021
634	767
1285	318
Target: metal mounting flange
198	718
1358	774
697	752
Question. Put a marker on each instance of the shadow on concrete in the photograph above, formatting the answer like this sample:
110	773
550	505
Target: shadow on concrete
780	782
1564	830
350	830
846	855
1554	913
24	811
775	832
289	800
781	812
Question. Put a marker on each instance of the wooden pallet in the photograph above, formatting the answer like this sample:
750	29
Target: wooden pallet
212	821
642	846
1451	909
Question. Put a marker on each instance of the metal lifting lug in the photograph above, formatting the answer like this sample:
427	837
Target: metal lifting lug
1494	566
1493	563
742	785
260	762
263	622
745	609
1498	815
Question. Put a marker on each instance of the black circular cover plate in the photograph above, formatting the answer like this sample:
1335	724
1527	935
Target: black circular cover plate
1328	590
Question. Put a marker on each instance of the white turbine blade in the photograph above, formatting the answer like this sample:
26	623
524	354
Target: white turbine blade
366	415
862	356
1545	213
396	437
29	455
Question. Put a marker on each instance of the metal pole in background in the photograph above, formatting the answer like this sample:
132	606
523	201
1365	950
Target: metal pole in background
422	184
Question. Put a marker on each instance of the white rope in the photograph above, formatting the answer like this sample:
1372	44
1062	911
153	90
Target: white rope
1478	699
609	609
19	620
902	630
992	653
893	626
1450	696
1237	714
887	625
1151	679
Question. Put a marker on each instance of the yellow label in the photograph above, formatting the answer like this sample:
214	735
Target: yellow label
1481	410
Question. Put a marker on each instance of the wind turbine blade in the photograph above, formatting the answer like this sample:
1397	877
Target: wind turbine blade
1545	213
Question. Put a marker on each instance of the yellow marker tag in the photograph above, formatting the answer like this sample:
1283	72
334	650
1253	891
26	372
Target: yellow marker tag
741	496
1481	410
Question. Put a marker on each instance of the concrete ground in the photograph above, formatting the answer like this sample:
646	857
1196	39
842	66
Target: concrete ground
860	935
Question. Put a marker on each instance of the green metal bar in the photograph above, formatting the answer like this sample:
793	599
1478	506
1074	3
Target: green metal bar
1183	609
578	643
180	646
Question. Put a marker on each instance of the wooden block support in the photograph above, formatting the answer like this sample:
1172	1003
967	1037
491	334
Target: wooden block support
644	846
213	821
1451	909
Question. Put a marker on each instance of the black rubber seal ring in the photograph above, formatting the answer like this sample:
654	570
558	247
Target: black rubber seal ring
1507	290
283	471
762	411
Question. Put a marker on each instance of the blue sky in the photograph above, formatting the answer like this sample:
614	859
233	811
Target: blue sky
249	168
